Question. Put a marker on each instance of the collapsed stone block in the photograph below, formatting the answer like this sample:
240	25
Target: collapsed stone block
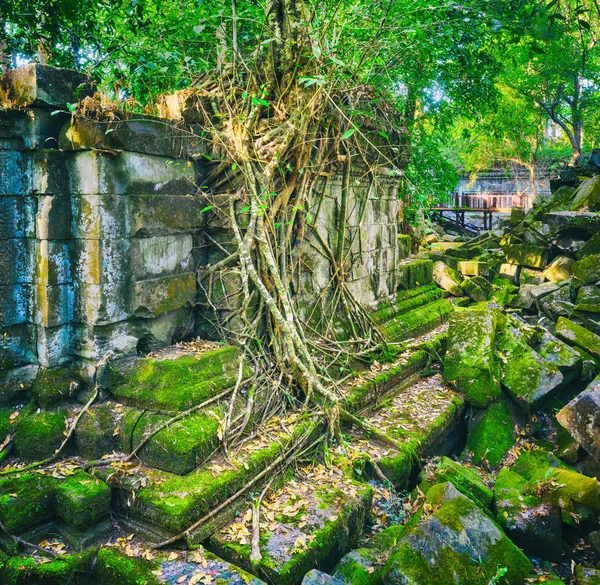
478	288
473	268
559	269
592	246
526	255
82	500
570	221
470	362
581	417
448	279
587	271
587	196
579	336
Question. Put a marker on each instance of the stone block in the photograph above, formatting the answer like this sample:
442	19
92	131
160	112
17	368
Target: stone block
17	346
53	260
570	221
404	246
561	268
138	133
414	272
158	215
45	87
16	262
17	217
14	304
578	336
101	304
161	255
587	196
82	500
54	345
52	305
556	303
49	172
471	363
557	352
587	271
477	287
158	296
30	129
222	289
104	217
592	246
510	272
526	375
517	215
53	217
16	384
101	261
55	385
526	255
40	434
473	268
92	173
524	298
581	417
15	172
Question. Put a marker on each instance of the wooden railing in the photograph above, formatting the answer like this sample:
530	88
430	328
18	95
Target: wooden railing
478	200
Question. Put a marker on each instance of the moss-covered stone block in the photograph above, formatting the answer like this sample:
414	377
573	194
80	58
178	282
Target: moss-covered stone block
526	375
414	272
26	500
526	255
73	569
183	445
114	568
592	246
561	268
587	196
55	385
465	479
105	428
531	523
470	362
40	434
447	278
491	435
473	268
578	336
587	575
477	287
82	500
173	380
359	567
404	246
587	271
581	417
157	296
457	539
557	352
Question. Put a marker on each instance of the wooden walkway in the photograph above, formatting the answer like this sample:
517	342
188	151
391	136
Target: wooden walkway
459	215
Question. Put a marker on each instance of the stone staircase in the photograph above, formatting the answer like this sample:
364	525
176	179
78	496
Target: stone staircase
180	477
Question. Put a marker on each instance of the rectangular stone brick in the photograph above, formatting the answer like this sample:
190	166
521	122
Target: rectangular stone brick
104	216
17	346
30	129
53	217
53	262
52	305
101	303
16	261
17	216
161	255
54	345
15	172
14	304
100	261
158	296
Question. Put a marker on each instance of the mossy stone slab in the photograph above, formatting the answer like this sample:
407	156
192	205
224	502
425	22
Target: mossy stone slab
180	447
316	519
456	541
26	500
74	569
592	246
114	568
587	196
82	500
555	351
526	375
173	380
55	385
414	272
587	270
470	363
359	567
491	436
526	255
561	268
40	434
581	417
447	278
579	336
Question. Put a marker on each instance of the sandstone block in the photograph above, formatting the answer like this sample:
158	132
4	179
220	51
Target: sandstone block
473	268
158	296
30	129
579	336
54	345
559	269
16	262
101	261
526	255
587	271
14	304
570	221
587	196
448	279
161	255
15	172
17	346
52	305
17	217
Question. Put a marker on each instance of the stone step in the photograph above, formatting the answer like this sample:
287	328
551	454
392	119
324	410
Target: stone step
414	272
405	301
416	419
311	521
174	379
416	322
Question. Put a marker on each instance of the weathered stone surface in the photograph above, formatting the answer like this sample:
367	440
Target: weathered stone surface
30	129
531	523
458	541
473	268
17	217
101	304
592	246
588	270
570	221
555	351
526	255
559	269
576	335
470	362
531	276
555	304
447	278
137	133
587	576
490	435
525	374
82	500
587	196
55	345
54	385
477	287
404	246
100	261
525	299
18	346
161	255
358	566
316	577
158	296
16	383
14	304
16	261
510	272
40	434
46	87
414	272
581	417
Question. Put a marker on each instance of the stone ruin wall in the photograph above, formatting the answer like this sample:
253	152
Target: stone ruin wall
103	235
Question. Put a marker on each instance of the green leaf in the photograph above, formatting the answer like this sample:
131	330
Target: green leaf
244	209
234	166
72	107
109	131
206	208
348	133
382	133
58	112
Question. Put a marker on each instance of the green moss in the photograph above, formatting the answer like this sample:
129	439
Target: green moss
26	500
65	570
359	567
405	302
40	434
470	362
412	273
587	271
174	384
180	447
387	539
53	385
491	437
113	568
578	336
82	500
